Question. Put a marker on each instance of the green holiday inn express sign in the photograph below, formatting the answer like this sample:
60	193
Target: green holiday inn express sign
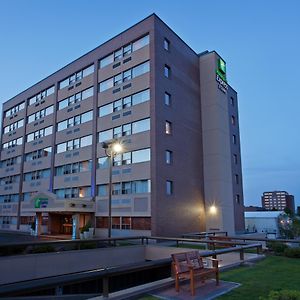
40	202
221	76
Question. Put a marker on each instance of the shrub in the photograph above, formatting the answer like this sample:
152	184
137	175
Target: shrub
43	249
88	245
277	247
292	252
282	295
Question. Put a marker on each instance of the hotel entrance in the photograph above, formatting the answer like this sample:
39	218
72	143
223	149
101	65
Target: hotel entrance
60	224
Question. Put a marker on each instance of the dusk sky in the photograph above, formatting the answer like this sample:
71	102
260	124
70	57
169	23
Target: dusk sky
260	41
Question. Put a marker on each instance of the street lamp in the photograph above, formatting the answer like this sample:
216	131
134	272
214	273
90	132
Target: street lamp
111	148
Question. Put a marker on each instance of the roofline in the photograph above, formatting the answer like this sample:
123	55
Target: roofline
122	32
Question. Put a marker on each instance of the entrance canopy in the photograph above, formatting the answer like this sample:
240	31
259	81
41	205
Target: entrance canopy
48	202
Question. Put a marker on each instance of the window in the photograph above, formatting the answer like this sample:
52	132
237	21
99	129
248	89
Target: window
106	84
232	101
125	76
237	199
141	186
126	102
140	126
39	133
75	192
116	189
236	178
140	43
232	120
76	98
9	198
169	157
167	71
41	95
141	155
76	76
9	180
105	135
167	99
166	44
40	114
11	161
35	175
14	109
13	126
103	162
235	159
13	143
234	139
169	187
83	118
105	110
74	144
168	127
140	69
102	190
106	60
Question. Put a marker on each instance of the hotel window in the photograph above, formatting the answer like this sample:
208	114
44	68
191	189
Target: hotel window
35	175
40	114
167	99
123	103
9	198
40	96
76	76
141	155
167	71
9	179
233	120
168	127
75	192
235	159
13	126
166	44
11	161
39	133
169	157
80	119
38	154
140	43
236	178
125	76
14	109
169	187
74	144
232	101
124	51
76	98
73	168
141	126
13	143
234	139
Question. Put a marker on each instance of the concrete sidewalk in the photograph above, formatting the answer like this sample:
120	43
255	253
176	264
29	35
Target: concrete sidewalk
203	291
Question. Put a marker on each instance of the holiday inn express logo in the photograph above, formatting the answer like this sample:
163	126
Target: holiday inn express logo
221	76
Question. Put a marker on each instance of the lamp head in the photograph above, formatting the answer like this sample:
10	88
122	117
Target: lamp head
117	147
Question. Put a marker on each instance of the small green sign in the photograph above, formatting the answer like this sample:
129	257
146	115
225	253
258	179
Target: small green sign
37	203
222	66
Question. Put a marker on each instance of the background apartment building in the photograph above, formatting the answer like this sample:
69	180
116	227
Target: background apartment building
176	116
278	200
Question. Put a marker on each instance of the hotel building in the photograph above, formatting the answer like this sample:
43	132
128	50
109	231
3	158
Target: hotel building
278	200
171	108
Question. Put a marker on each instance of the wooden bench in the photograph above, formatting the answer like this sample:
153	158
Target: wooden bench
189	265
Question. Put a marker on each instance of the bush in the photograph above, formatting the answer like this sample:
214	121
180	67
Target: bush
43	249
88	245
292	252
282	295
277	247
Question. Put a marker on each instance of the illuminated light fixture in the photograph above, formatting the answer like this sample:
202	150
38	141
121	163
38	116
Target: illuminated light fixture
117	148
213	209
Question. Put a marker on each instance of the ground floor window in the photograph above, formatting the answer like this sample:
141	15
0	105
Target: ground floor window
125	223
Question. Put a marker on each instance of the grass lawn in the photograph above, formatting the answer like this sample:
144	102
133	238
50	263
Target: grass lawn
272	273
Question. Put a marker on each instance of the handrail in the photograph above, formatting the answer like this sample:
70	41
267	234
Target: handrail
106	273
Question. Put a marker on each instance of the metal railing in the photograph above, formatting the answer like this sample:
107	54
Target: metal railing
106	274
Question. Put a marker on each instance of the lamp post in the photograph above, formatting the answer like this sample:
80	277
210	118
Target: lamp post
111	148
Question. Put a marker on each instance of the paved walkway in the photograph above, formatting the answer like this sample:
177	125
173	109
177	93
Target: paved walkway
203	291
